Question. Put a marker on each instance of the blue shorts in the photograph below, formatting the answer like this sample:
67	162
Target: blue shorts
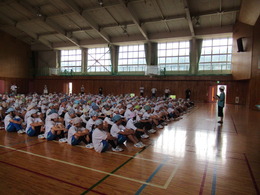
121	139
105	145
13	127
74	141
31	132
51	136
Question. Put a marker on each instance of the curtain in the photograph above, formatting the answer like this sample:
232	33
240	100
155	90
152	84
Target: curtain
114	53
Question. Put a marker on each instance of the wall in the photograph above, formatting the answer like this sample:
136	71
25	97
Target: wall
199	85
254	92
14	57
15	63
241	61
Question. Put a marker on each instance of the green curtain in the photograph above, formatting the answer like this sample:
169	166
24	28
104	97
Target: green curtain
154	53
198	51
114	53
151	53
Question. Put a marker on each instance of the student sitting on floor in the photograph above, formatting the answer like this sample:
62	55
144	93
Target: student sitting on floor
121	133
147	120
11	123
102	139
68	117
77	133
90	127
53	127
136	126
35	126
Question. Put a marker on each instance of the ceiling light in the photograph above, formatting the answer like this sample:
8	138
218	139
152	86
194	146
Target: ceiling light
101	3
197	22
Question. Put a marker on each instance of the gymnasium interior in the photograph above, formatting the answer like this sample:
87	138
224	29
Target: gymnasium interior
120	46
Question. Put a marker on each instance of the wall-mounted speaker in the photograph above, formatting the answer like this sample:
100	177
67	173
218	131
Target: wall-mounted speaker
240	45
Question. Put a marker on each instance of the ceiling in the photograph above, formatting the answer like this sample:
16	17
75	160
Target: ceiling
55	24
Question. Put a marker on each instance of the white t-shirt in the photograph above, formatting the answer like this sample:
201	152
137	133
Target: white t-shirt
90	124
167	91
108	120
146	116
7	120
130	124
83	118
13	87
153	90
128	114
31	120
115	129
72	131
44	108
141	89
67	119
48	125
97	137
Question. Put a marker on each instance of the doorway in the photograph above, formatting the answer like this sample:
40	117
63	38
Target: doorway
67	88
213	91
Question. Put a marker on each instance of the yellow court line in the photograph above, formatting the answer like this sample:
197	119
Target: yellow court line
171	176
87	168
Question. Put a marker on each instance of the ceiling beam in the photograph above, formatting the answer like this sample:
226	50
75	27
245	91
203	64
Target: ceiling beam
174	35
161	13
134	18
87	18
47	21
188	17
34	36
249	12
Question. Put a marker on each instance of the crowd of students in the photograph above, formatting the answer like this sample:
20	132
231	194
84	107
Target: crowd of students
98	121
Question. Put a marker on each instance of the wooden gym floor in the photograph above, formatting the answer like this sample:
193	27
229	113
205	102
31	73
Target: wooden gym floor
194	155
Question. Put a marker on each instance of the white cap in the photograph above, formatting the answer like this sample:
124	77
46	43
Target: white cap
222	87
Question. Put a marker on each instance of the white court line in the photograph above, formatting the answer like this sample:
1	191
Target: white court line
120	154
87	168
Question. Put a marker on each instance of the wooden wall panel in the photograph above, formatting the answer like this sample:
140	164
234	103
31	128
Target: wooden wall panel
255	80
241	61
21	83
130	84
15	57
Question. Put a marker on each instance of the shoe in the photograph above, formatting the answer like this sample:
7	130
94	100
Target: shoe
221	122
159	127
141	144
137	145
89	146
145	136
41	136
21	131
117	149
63	140
151	131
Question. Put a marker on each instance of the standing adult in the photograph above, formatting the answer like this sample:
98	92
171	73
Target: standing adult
13	89
100	91
221	103
153	90
188	93
167	92
82	90
45	90
141	91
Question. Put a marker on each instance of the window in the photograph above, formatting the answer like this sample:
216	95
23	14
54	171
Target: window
99	60
174	56
216	55
70	60
131	58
